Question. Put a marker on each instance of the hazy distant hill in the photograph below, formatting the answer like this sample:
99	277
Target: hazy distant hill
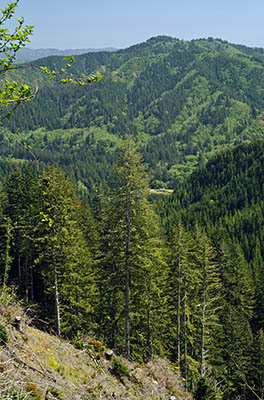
27	54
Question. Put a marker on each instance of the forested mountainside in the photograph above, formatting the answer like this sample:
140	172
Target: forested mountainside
108	271
225	197
185	283
183	101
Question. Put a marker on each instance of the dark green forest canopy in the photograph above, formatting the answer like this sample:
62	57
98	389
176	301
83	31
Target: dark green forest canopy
196	295
225	196
182	101
194	298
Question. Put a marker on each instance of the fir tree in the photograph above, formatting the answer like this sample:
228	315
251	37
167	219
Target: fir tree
133	267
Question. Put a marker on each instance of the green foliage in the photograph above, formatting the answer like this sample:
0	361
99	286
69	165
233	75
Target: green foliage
184	101
201	302
133	269
62	250
225	197
12	93
118	368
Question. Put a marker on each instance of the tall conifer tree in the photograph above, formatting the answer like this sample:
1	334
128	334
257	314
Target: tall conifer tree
63	256
133	255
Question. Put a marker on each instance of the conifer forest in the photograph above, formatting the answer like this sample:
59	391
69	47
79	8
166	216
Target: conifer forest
132	210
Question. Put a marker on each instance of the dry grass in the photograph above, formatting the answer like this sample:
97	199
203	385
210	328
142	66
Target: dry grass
34	362
161	191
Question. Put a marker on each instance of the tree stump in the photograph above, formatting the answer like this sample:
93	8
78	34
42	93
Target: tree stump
17	323
109	354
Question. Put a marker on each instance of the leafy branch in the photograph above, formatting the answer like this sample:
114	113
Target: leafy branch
12	93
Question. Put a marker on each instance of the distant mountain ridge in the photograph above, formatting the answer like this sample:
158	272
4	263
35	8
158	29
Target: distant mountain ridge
183	101
28	54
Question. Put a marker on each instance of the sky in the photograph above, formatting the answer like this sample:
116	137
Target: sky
79	24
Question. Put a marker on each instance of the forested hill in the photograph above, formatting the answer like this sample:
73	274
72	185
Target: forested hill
182	100
225	197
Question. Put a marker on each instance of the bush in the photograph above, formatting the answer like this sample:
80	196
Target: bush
3	335
79	344
96	345
118	368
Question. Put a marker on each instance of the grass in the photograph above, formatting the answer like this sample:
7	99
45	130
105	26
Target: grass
45	366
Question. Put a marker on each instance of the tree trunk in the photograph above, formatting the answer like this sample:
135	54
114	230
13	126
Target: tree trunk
149	351
127	276
185	336
32	283
113	316
7	258
56	293
202	372
179	313
19	270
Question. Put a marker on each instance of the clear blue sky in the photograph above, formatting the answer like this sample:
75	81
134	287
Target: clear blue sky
66	24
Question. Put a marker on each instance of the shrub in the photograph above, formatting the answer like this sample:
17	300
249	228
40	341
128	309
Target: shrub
55	392
118	368
96	345
79	344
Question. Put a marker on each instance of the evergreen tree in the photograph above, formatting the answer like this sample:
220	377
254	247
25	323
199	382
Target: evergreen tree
234	343
133	267
210	299
63	256
17	210
182	283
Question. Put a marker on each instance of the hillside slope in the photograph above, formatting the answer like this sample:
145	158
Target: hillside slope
183	101
36	365
226	197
